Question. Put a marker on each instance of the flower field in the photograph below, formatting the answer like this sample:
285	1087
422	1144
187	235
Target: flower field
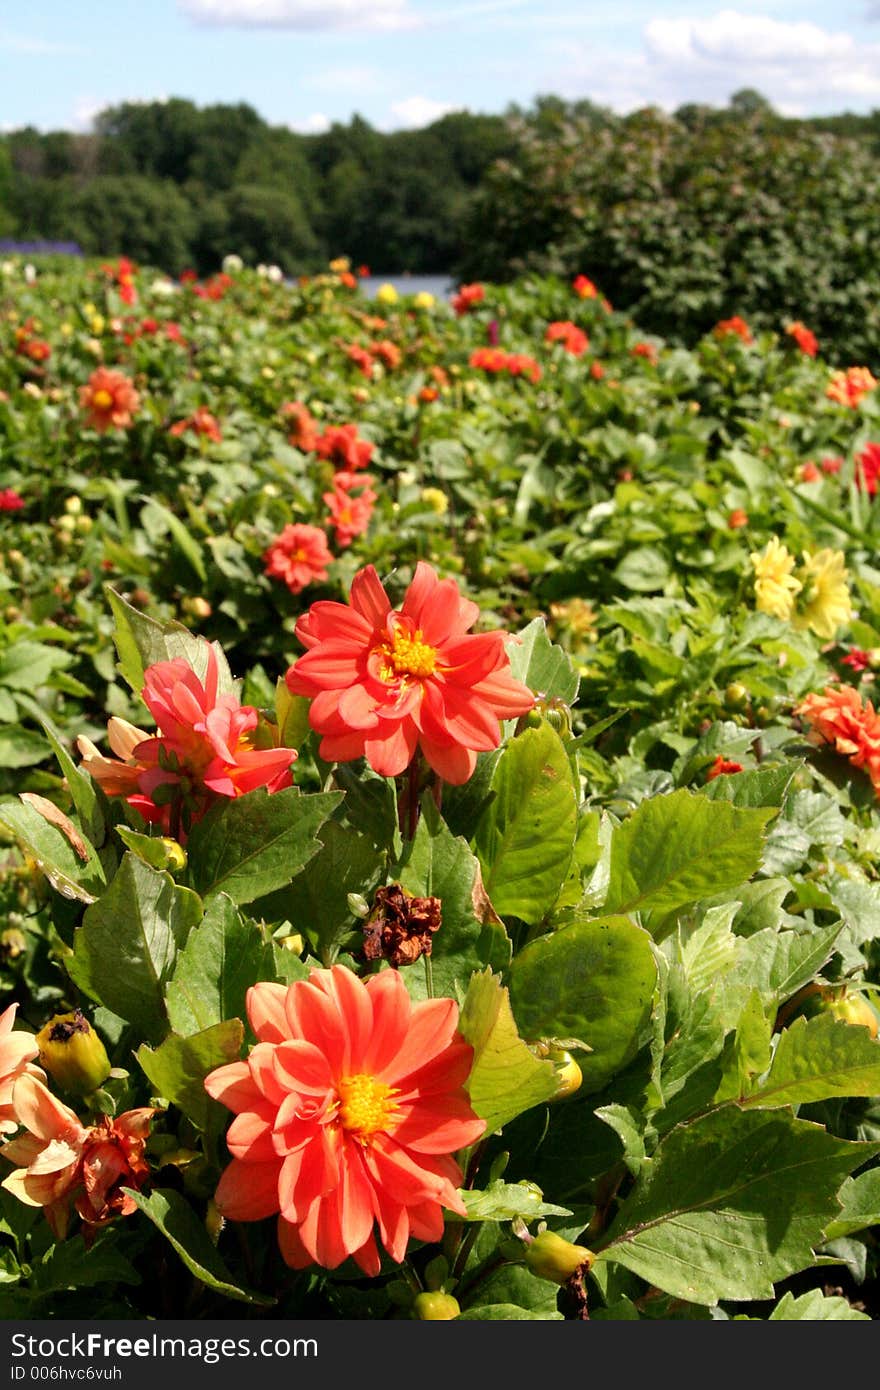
438	805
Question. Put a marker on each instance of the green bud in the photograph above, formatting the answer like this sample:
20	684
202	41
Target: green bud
73	1054
435	1307
551	1257
736	696
175	854
568	1074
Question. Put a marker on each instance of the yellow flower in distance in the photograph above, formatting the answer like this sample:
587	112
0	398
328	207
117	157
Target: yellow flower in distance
775	585
424	300
827	604
387	294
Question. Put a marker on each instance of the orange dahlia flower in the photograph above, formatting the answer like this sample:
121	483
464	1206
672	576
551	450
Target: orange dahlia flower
467	298
109	400
343	447
385	681
868	469
201	422
733	327
203	749
350	511
804	337
839	717
17	1053
302	426
61	1163
348	1111
299	556
848	388
572	338
584	287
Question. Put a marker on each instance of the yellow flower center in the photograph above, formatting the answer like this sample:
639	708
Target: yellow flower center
102	399
408	655
366	1106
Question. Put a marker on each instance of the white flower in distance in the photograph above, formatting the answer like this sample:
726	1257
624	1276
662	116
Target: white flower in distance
232	264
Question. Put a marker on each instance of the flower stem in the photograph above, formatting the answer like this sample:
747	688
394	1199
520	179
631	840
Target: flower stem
429	975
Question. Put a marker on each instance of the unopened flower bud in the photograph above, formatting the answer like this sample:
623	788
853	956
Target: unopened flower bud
435	1307
736	696
569	1076
295	943
551	1257
196	606
13	943
72	1053
175	855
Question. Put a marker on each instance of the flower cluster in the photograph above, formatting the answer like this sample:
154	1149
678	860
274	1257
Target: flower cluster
201	423
848	388
385	682
348	1113
62	1164
109	400
817	597
804	337
467	298
204	749
495	360
839	717
123	273
733	327
572	338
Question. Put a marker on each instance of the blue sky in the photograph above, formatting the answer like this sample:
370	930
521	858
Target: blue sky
305	63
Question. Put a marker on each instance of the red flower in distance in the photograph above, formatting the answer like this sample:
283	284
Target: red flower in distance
348	1112
467	298
722	768
848	388
10	500
202	422
385	682
868	469
584	287
646	350
572	338
734	327
350	510
805	339
343	447
302	426
299	557
109	400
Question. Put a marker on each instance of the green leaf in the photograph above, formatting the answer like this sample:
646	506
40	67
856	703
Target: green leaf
816	1059
316	902
86	795
592	981
778	963
503	1201
815	1307
763	786
72	873
182	537
222	958
750	1056
643	569
472	935
28	665
177	1221
125	949
860	1200
20	747
676	849
292	715
506	1078
249	846
178	1067
141	642
731	1202
525	836
628	1130
69	1265
542	665
153	850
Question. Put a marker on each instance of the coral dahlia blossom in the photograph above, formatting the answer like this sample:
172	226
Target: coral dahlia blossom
348	1111
17	1054
109	400
203	750
839	717
299	555
386	681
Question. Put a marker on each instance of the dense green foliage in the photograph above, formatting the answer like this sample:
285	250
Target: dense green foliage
658	870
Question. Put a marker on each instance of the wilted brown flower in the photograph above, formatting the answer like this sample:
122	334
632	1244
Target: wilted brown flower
400	927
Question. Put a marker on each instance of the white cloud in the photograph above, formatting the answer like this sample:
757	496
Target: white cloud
414	112
315	124
301	14
799	66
